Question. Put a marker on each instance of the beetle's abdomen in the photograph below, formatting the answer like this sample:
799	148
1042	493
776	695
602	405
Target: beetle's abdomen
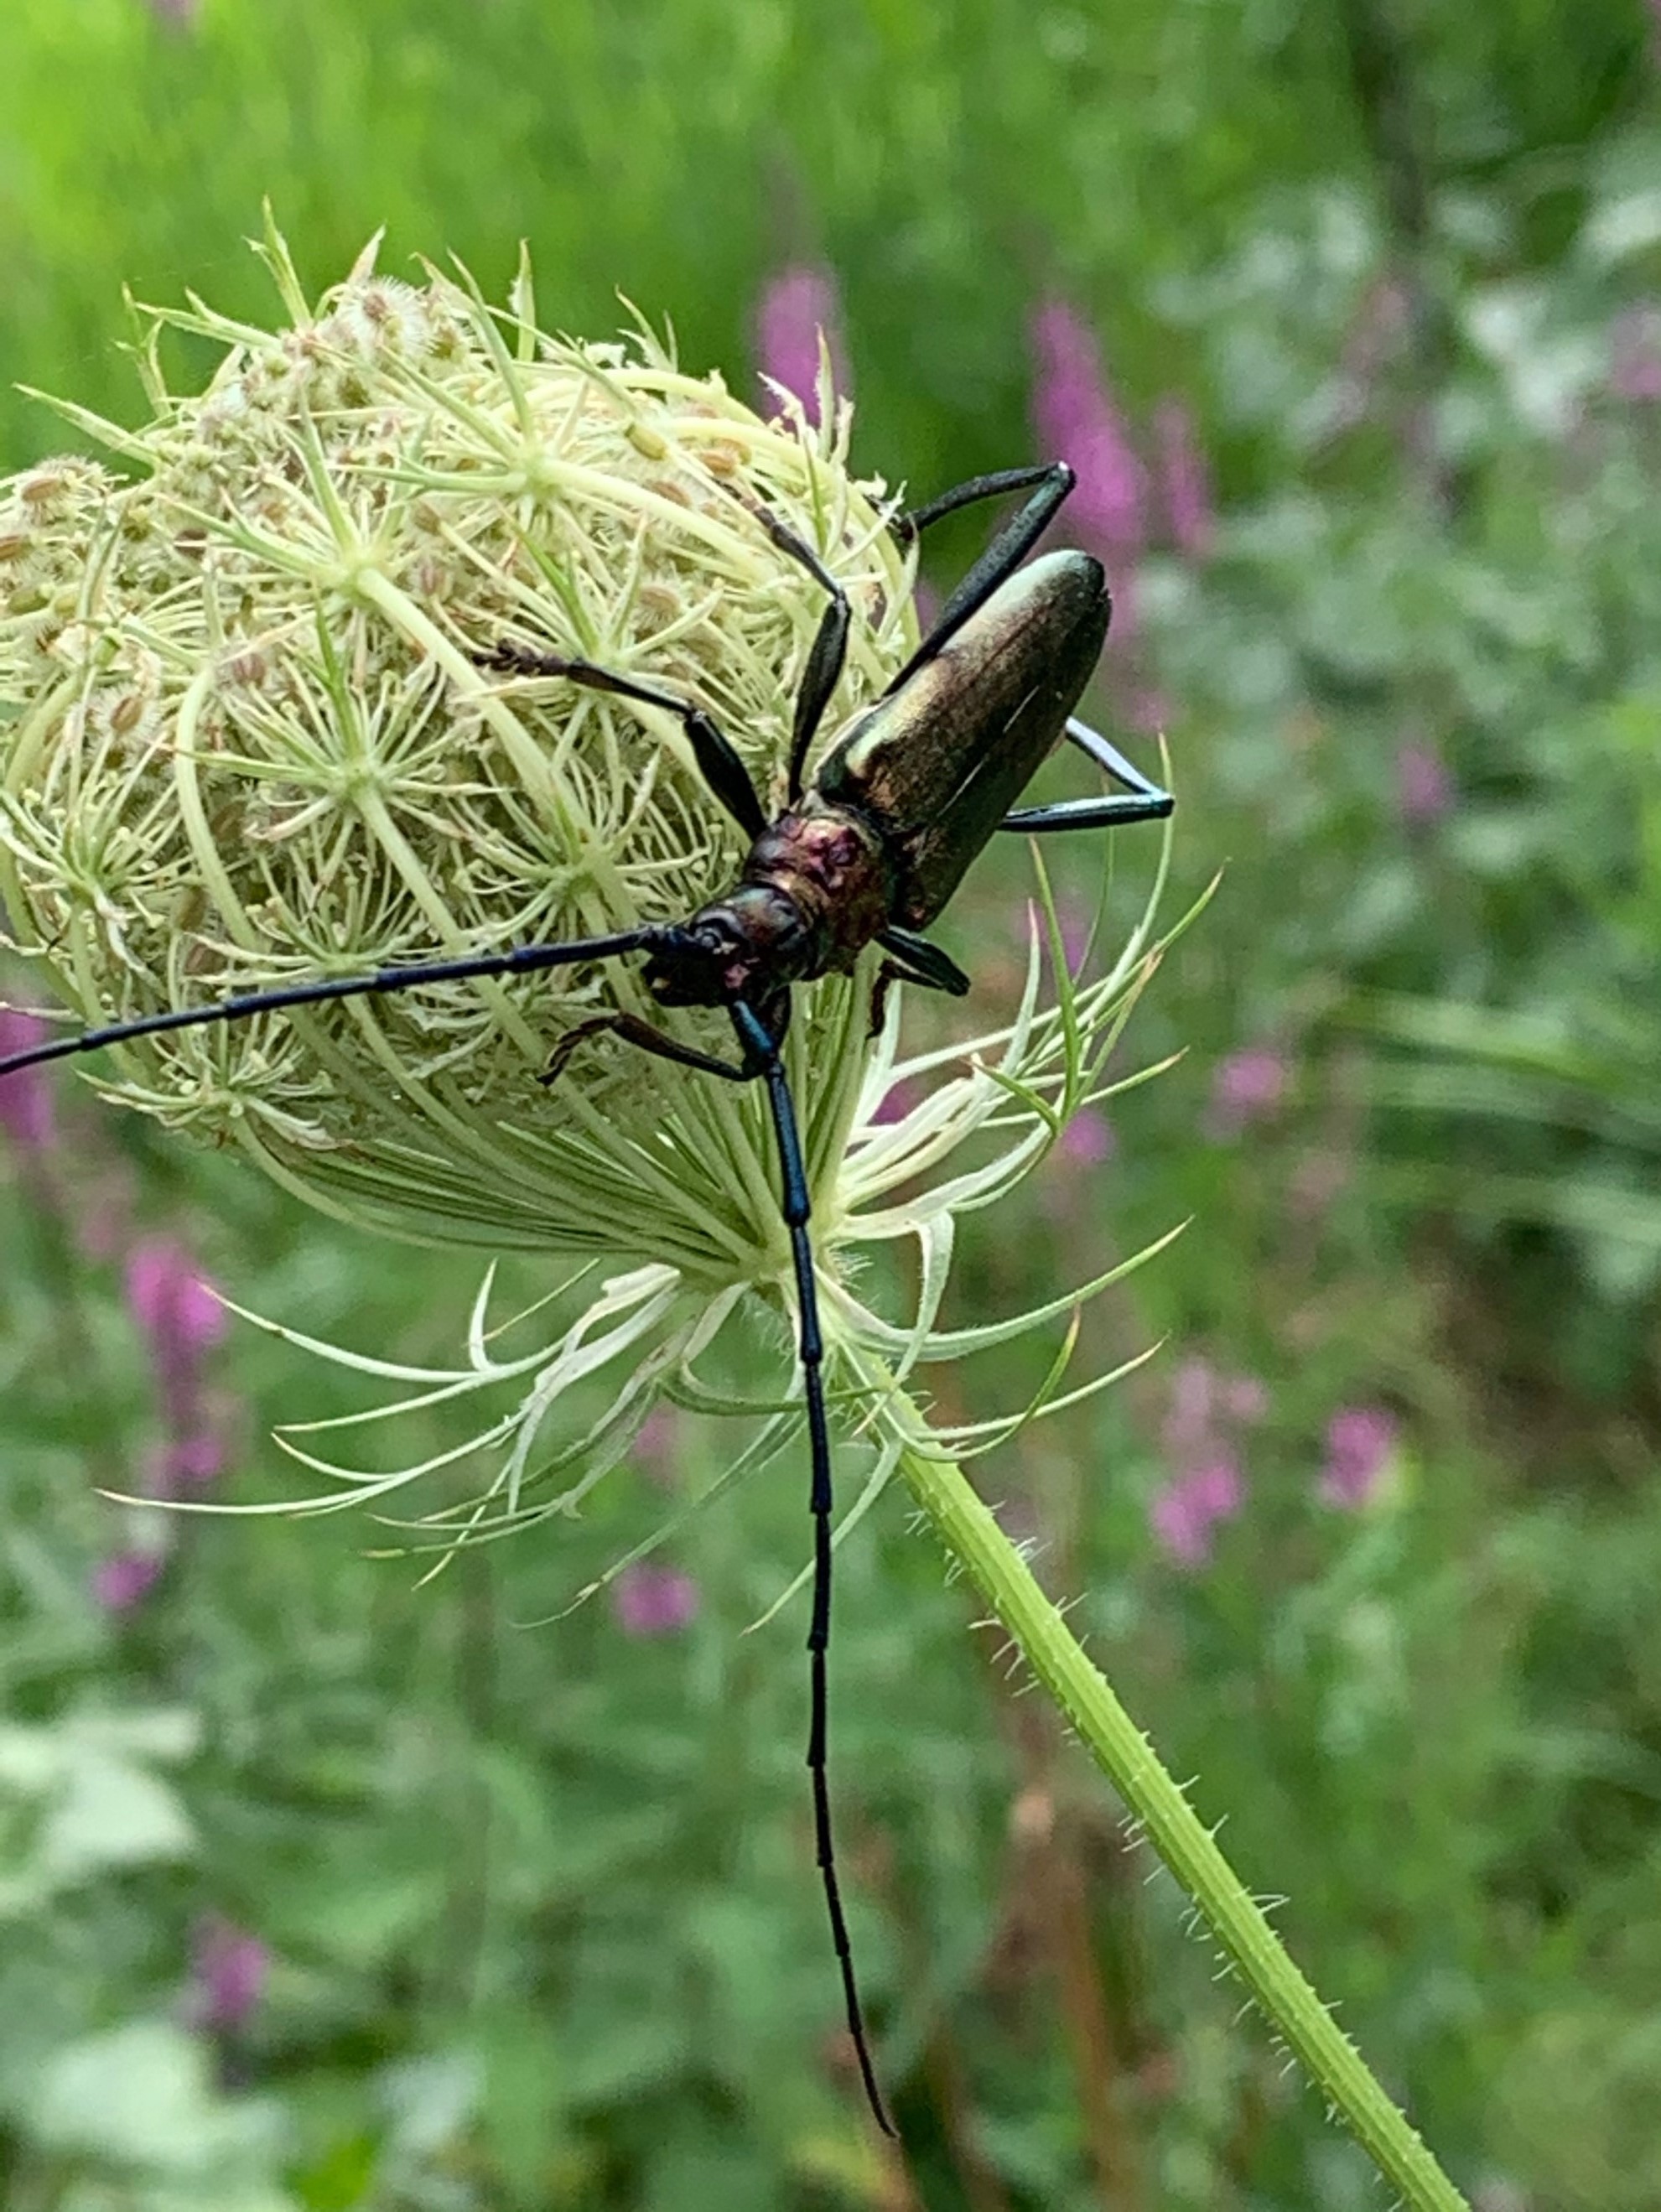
937	765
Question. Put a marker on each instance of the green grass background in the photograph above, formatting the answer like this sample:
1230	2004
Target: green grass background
538	1902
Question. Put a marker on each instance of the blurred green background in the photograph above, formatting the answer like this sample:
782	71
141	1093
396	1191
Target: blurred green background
321	1891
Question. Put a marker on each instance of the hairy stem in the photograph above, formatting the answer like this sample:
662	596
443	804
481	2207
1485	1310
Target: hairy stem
973	1538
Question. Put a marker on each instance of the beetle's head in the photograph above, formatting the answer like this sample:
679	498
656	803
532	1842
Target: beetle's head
743	947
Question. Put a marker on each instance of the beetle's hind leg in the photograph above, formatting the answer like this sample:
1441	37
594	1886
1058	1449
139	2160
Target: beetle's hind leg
1144	801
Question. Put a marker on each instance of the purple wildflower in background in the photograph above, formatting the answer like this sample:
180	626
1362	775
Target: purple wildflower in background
1185	1514
25	1100
1204	1403
1074	919
182	1320
175	1310
1150	710
1248	1086
190	1461
650	1600
125	1579
1317	1182
1635	344
1424	789
1208	1483
179	15
656	1448
1243	1398
228	1972
1088	1140
1078	421
1187	1432
1184	480
798	304
1360	1443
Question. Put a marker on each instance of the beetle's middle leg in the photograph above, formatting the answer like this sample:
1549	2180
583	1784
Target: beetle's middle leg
828	650
718	761
915	961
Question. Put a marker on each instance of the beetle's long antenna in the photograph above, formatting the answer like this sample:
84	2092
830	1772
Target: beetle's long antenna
520	960
761	1051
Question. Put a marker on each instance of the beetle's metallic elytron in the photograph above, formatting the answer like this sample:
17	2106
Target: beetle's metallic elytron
871	851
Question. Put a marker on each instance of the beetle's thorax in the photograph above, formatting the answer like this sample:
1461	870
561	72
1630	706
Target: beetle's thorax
817	887
832	864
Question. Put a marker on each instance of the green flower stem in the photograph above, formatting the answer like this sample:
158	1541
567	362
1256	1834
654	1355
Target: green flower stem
993	1564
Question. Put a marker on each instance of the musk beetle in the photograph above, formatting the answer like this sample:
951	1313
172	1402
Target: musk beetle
870	850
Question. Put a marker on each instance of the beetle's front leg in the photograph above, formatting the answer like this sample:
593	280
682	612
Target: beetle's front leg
823	673
633	1030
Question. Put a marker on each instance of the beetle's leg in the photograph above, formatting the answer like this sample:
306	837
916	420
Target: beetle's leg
830	648
1146	802
633	1030
1002	556
918	962
917	520
761	1053
934	970
718	763
888	973
1104	813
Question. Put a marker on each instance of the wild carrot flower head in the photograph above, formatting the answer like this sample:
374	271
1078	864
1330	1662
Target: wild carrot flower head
245	740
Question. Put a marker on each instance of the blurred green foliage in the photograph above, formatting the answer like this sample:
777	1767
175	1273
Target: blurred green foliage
534	1909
